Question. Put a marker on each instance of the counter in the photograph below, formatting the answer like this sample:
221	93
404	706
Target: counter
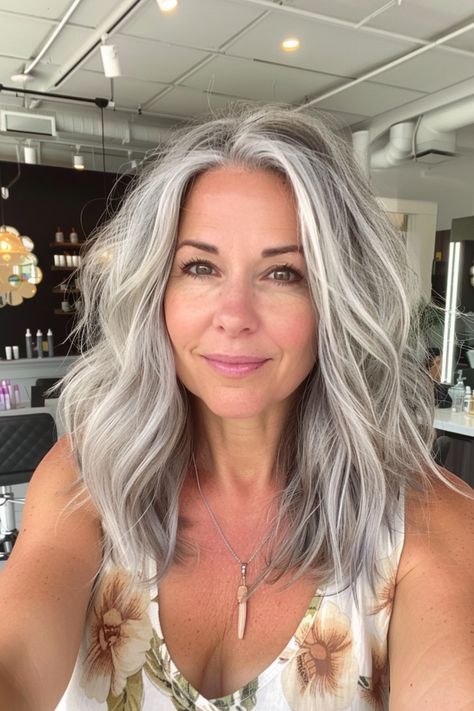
25	371
459	427
455	422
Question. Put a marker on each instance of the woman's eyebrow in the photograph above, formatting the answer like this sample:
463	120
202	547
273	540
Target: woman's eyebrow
269	252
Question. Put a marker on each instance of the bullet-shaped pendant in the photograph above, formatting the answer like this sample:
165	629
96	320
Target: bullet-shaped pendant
242	600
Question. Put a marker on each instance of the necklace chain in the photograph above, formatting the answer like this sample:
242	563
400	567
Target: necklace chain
216	523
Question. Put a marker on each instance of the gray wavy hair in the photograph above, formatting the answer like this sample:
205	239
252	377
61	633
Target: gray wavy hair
362	429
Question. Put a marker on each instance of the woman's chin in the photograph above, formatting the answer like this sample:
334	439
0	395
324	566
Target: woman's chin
233	406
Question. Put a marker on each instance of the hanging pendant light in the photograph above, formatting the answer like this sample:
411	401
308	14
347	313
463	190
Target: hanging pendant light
19	271
78	159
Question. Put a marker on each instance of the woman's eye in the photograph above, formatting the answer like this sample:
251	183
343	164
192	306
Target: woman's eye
196	268
286	275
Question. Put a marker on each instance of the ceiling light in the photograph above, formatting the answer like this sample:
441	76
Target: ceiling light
290	44
167	5
20	78
30	154
110	59
78	160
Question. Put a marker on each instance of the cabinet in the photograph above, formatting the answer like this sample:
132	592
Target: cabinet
68	287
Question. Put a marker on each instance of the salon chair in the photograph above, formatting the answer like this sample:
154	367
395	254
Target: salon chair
24	441
40	390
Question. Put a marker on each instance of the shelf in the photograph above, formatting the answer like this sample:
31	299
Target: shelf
73	245
60	312
65	291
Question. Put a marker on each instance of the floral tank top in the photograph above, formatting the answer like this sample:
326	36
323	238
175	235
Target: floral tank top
335	661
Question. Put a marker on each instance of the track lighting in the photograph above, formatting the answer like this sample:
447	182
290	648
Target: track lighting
110	59
167	5
30	152
78	160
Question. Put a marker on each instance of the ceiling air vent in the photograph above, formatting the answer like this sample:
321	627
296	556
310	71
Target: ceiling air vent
434	156
19	123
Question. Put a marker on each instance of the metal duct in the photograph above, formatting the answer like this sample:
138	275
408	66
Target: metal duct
435	134
85	127
398	148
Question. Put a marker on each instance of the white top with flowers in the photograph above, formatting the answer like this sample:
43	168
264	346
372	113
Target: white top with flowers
335	661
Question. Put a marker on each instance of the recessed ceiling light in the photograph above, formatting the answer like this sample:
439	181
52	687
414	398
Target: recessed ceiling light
167	5
290	44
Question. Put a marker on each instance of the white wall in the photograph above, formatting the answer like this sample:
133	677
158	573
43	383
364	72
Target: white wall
420	235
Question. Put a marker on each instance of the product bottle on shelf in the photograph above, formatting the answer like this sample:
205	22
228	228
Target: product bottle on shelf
49	336
28	344
39	343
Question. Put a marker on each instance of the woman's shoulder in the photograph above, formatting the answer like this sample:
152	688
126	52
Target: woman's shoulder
430	648
437	521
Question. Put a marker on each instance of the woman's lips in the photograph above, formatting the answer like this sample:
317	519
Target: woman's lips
234	369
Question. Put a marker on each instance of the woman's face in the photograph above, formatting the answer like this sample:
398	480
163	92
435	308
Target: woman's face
238	292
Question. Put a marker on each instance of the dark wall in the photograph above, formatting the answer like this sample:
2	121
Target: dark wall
42	199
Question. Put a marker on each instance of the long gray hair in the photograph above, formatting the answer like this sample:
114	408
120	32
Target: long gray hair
362	429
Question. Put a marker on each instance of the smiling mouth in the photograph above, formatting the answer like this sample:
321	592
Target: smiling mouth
235	368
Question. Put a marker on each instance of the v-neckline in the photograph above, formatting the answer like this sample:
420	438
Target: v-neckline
265	676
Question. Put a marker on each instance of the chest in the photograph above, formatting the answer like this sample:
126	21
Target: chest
198	611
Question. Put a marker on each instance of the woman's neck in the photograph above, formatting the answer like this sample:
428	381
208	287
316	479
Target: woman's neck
238	457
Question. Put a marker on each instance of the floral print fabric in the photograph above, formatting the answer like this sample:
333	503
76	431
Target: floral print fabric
335	661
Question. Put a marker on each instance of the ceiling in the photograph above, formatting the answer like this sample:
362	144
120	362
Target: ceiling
208	53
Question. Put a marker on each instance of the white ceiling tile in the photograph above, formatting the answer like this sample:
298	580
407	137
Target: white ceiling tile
207	23
258	81
21	36
182	101
324	47
341	9
148	60
91	13
343	119
368	98
87	84
53	9
66	44
128	93
431	71
425	19
465	41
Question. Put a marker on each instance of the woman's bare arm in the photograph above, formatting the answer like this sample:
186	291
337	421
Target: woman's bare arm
45	588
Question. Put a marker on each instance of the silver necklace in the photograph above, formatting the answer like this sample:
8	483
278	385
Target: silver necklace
242	590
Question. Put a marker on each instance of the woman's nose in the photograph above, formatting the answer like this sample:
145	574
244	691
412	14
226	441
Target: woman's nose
235	308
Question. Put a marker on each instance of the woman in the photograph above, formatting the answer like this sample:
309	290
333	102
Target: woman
249	431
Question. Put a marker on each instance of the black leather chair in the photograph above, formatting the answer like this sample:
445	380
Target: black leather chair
40	390
24	441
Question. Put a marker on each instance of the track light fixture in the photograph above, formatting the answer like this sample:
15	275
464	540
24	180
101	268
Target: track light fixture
30	152
78	159
110	59
167	5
